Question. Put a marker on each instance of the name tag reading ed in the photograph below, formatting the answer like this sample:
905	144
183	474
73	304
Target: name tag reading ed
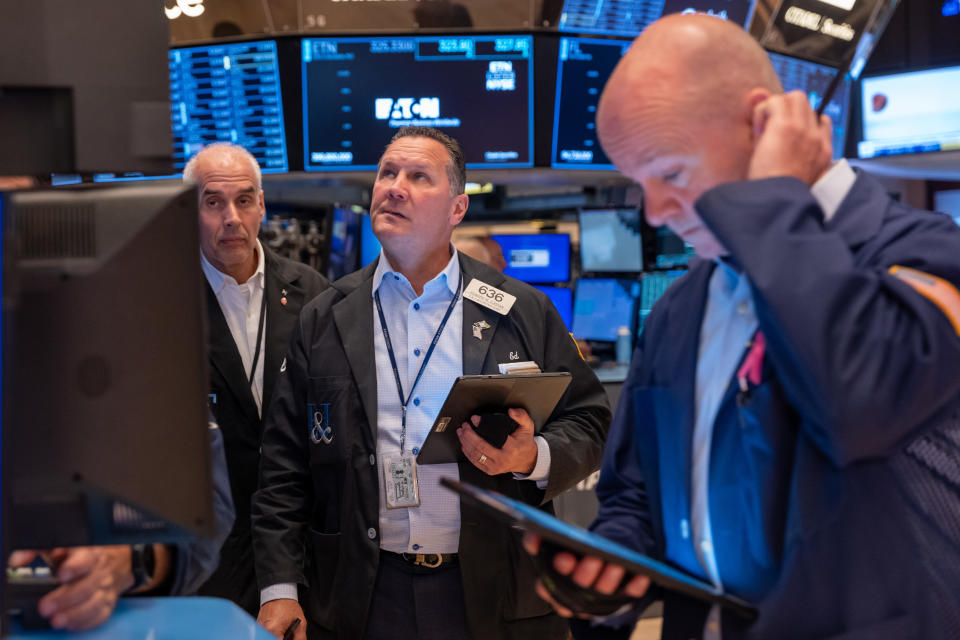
489	297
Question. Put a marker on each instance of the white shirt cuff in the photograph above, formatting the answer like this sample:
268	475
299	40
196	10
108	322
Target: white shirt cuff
282	591
541	470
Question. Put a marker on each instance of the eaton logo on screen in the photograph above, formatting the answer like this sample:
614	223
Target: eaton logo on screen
406	108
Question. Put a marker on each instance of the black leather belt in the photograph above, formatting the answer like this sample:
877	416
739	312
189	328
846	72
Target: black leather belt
429	560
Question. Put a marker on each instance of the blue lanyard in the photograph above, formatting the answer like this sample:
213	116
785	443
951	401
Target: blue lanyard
426	357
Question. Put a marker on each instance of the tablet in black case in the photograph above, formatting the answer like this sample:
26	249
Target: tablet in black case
538	393
581	542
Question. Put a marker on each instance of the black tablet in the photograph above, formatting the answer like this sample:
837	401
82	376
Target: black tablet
584	543
537	393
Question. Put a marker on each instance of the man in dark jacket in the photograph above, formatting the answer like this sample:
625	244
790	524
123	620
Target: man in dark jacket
790	428
370	365
253	299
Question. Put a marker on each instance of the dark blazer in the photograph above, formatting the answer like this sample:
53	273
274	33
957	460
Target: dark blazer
834	484
236	412
316	515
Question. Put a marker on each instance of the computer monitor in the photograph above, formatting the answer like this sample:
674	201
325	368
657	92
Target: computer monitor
369	244
583	67
83	87
948	202
813	79
562	299
666	250
652	286
228	93
536	257
602	306
344	240
630	17
911	112
610	240
104	368
357	92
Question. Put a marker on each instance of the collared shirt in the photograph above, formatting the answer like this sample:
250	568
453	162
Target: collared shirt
729	321
240	304
434	526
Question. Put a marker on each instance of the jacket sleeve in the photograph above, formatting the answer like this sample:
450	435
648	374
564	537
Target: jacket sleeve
281	505
197	560
864	357
624	513
578	429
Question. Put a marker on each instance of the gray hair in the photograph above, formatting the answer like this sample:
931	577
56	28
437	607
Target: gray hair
190	171
456	168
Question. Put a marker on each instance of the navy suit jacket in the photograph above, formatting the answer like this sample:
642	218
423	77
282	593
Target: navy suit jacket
834	484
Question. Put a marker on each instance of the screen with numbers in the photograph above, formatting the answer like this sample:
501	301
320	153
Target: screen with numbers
357	92
228	93
583	67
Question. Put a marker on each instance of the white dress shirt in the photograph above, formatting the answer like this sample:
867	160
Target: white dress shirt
729	321
240	304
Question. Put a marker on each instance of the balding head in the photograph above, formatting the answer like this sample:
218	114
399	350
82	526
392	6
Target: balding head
221	154
687	68
677	116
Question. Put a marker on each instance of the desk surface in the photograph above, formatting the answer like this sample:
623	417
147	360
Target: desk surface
166	619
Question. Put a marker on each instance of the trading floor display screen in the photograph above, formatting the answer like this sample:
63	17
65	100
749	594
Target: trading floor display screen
562	299
602	306
536	257
630	17
583	67
911	112
228	93
358	92
813	79
610	241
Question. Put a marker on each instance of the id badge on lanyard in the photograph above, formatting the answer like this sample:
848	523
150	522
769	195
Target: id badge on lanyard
400	471
400	481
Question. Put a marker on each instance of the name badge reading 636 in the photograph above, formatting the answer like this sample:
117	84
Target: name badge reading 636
489	296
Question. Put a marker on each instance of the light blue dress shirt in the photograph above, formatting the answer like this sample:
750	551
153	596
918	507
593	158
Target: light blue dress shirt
729	321
434	526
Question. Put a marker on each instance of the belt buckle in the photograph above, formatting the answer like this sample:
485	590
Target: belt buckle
422	560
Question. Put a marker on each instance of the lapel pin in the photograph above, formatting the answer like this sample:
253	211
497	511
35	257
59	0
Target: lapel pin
478	328
283	297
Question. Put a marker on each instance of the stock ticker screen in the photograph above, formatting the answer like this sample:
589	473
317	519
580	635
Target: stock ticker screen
630	17
228	93
583	67
813	79
359	91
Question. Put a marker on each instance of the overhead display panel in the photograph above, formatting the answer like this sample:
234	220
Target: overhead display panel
630	17
814	79
359	91
228	93
583	67
911	112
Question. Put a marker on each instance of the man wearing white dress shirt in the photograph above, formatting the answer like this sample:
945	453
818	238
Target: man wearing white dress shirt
253	298
370	365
